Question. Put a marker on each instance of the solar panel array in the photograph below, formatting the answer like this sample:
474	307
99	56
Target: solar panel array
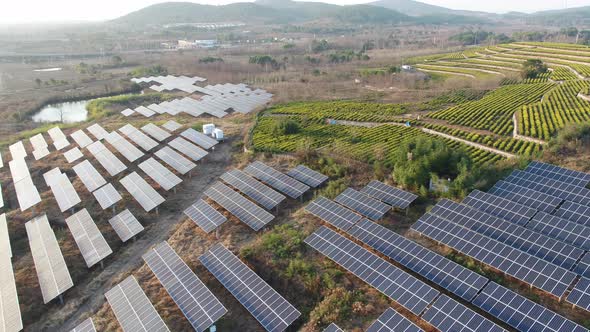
246	211
195	300
580	294
250	187
432	266
188	149
73	155
53	274
4	237
526	196
175	160
172	126
583	267
155	132
90	241
127	112
558	173
362	204
97	131
276	179
308	176
144	111
86	326
107	196
500	207
81	138
261	300
126	149
520	312
391	320
64	192
17	150
60	140
199	138
166	179
518	264
551	187
89	176
575	212
447	314
133	309
26	191
398	285
205	216
333	328
106	158
39	144
333	213
125	225
143	193
562	229
138	137
10	309
393	196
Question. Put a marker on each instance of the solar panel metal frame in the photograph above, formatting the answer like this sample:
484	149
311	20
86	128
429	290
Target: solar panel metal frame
570	176
200	307
175	160
86	326
89	176
272	310
575	212
81	138
561	229
107	196
393	282
205	216
243	209
362	203
133	309
199	138
142	192
447	314
526	196
307	176
432	266
390	195
160	174
520	312
333	213
188	149
125	225
52	271
277	180
257	191
391	320
106	158
549	186
518	264
500	207
93	246
156	132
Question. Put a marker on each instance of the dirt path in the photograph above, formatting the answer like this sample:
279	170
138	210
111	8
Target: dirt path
85	298
516	135
445	72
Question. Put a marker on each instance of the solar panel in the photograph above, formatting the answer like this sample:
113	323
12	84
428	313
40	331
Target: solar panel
73	155
4	238
391	320
388	194
551	187
175	160
333	328
106	158
144	111
250	187
155	132
583	267
308	176
276	179
41	153
205	216
139	138
133	309
558	173
126	149
562	229
107	196
81	138
332	213
266	305
166	179
156	108
97	131
26	193
90	241
127	112
172	126
17	150
143	193
200	307
398	285
362	204
53	274
518	264
580	294
520	312
1	161
64	193
518	237
89	175
38	142
19	170
432	266
86	326
447	314
246	211
500	207
125	225
9	310
60	140
575	212
526	196
52	176
199	138
188	149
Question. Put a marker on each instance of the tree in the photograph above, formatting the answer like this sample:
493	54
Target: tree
38	82
265	61
319	46
533	68
116	60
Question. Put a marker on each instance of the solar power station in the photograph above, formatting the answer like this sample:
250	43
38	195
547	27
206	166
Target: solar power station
390	195
143	193
125	225
276	179
200	307
86	326
175	160
199	138
133	309
266	305
391	320
332	213
308	176
54	276
166	179
205	216
92	245
249	186
363	204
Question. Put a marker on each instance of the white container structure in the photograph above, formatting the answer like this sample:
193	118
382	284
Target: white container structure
218	134
208	128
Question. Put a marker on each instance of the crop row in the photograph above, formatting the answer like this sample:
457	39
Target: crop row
451	70
563	74
555	45
343	110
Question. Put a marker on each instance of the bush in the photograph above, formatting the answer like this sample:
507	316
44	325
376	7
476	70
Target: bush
149	71
286	127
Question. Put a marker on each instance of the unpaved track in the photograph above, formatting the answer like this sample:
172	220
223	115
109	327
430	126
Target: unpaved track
87	297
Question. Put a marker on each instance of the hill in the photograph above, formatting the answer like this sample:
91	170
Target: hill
561	17
416	8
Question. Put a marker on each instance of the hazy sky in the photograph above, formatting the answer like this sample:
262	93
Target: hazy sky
19	11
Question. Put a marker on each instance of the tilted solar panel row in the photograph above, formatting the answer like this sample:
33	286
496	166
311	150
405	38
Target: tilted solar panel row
558	173
500	207
390	195
363	204
552	187
333	213
526	196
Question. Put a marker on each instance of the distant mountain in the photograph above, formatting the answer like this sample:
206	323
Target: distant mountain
561	17
416	8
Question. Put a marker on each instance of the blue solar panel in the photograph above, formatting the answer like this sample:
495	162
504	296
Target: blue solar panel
518	237
434	267
333	328
363	204
259	192
388	194
281	182
332	213
521	313
580	295
583	267
500	207
558	173
549	186
518	264
308	176
561	229
392	321
575	212
398	285
526	196
448	315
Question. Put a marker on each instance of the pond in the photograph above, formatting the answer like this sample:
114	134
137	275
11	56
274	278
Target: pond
68	112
